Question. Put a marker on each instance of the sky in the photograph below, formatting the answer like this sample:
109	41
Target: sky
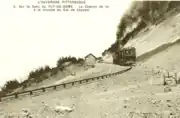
31	39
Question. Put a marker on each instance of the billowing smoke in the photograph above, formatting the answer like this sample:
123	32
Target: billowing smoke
140	14
143	12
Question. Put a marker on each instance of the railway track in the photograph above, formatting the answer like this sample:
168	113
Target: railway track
62	86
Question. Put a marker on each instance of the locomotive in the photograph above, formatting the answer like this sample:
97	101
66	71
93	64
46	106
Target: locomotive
125	56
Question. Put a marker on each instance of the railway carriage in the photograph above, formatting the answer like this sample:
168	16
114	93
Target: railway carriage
125	57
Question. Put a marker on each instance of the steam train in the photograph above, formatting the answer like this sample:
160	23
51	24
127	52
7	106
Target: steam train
125	57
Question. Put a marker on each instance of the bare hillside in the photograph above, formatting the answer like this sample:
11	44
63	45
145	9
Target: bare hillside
144	16
166	32
168	59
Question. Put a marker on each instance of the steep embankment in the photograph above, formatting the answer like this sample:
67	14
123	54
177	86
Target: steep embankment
147	25
157	38
58	75
154	39
74	73
67	71
168	59
99	69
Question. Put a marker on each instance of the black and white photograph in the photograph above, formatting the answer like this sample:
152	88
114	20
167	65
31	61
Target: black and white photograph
89	59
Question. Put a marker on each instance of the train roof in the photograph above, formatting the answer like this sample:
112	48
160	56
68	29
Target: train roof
128	48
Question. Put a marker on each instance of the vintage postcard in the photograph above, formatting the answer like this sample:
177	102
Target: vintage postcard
89	59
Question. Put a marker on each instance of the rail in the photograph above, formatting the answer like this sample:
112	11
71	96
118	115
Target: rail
64	85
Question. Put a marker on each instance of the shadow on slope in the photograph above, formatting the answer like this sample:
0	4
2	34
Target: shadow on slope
159	49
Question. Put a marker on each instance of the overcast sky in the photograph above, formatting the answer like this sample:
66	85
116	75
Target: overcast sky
30	39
